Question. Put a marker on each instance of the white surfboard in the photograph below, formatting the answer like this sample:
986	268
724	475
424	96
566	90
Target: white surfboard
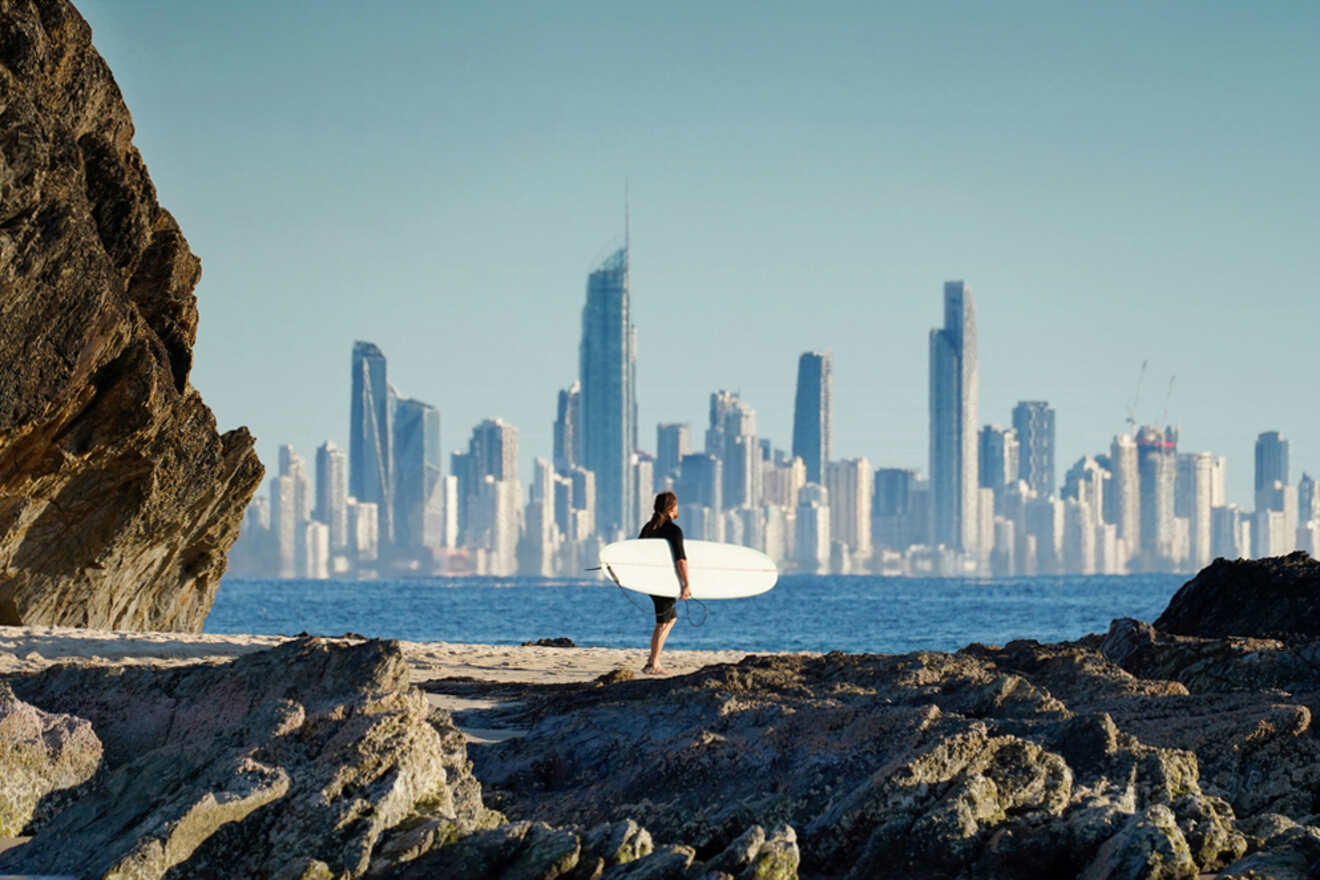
715	571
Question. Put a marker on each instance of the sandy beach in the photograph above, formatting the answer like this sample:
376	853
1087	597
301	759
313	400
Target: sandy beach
31	648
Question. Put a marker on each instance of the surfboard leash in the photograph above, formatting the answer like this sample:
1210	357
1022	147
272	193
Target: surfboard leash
705	612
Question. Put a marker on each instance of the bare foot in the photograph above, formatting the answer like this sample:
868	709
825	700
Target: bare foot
655	670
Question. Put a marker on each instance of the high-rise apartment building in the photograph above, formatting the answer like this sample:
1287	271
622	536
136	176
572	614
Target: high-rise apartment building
812	527
1271	459
1085	482
418	470
536	552
568	414
1033	420
284	526
781	480
893	519
998	460
492	452
607	368
1308	499
1127	493
293	466
849	483
1218	480
370	432
643	466
954	393
1157	453
731	438
701	481
672	442
813	414
1192	500
332	493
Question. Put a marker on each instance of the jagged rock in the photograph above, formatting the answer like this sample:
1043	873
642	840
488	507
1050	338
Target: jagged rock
1278	597
1149	847
754	856
1207	826
40	753
301	755
518	851
611	851
1291	855
1213	665
665	863
118	498
923	762
611	844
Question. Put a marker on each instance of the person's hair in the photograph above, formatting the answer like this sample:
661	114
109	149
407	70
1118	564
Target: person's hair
663	502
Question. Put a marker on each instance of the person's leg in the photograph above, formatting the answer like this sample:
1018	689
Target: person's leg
658	636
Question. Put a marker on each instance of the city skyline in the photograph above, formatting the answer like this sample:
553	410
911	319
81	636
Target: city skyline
986	507
1117	186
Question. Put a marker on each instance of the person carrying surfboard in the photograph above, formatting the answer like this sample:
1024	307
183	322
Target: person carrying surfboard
662	525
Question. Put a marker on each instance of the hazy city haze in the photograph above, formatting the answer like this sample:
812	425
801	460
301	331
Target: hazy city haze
1115	184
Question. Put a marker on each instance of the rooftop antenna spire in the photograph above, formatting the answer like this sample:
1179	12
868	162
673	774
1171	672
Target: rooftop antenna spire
627	235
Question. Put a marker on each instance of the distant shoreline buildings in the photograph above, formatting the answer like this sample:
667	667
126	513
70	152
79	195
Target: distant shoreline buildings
990	506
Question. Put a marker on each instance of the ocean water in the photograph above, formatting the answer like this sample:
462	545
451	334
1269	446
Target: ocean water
802	613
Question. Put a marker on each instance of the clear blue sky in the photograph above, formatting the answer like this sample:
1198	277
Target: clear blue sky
1116	182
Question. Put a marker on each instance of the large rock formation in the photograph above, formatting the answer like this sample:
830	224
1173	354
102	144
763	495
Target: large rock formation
1137	755
118	499
315	759
1278	597
308	754
1133	755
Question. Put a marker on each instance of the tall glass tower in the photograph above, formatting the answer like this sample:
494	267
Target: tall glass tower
813	417
1271	459
955	382
608	405
370	435
418	470
1034	422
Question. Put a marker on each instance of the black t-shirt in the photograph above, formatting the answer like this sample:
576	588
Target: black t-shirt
671	533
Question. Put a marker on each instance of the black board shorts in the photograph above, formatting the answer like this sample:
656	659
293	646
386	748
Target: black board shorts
666	608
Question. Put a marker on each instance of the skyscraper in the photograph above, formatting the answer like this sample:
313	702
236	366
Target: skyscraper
568	415
292	465
1308	499
418	492
332	492
1033	420
998	460
536	551
1192	500
492	452
954	392
813	418
1271	461
284	526
849	484
701	482
1127	493
370	432
607	366
731	438
672	442
1157	453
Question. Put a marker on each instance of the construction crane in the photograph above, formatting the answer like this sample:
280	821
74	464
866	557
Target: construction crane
1136	398
1164	416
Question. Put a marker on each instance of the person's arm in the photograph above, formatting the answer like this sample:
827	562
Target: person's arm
681	566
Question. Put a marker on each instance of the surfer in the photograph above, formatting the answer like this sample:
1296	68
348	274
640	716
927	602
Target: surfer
662	525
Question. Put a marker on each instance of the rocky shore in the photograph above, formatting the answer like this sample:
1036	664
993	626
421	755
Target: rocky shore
1137	753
